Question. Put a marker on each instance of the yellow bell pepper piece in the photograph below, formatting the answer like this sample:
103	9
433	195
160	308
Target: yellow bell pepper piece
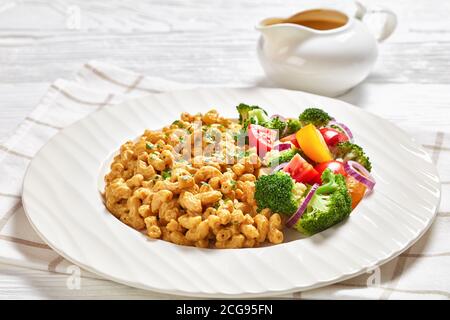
313	145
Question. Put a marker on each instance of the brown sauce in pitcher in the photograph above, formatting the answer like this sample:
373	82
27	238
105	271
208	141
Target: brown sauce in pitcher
319	19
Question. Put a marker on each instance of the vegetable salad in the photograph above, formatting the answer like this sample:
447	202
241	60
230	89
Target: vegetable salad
317	175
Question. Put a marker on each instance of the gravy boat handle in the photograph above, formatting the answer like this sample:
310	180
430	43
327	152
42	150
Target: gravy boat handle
389	24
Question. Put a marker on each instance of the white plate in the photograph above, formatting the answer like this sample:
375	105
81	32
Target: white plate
61	199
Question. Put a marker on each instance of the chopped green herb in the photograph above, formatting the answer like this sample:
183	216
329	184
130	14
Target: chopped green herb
166	174
150	146
178	123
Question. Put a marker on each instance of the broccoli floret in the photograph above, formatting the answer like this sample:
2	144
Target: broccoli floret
246	112
243	110
281	157
242	134
258	116
275	123
287	155
276	157
316	116
293	125
351	151
278	192
250	115
330	205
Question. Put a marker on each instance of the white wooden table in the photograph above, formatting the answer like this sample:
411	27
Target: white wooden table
204	42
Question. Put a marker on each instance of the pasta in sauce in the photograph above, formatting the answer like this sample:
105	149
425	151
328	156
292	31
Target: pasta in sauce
192	184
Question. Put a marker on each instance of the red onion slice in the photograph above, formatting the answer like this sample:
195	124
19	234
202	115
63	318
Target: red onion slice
360	173
280	166
296	216
344	128
283	146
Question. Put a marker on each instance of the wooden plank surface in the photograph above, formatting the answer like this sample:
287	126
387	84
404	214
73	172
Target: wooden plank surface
198	41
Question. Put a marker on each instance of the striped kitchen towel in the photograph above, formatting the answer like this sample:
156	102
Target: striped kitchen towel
420	272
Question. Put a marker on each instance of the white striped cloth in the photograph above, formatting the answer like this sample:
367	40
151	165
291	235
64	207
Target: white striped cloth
421	272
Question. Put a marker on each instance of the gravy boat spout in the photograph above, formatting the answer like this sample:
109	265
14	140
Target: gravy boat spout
276	30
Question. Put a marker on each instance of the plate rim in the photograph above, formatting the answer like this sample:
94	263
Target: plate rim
390	256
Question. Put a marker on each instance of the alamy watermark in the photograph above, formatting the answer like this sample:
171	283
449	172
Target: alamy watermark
73	20
73	281
374	279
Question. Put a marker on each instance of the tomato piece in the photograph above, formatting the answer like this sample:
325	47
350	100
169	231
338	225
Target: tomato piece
300	170
312	144
342	137
332	136
333	165
262	138
356	190
291	138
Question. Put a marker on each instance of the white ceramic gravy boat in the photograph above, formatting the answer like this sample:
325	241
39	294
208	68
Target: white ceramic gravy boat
323	51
